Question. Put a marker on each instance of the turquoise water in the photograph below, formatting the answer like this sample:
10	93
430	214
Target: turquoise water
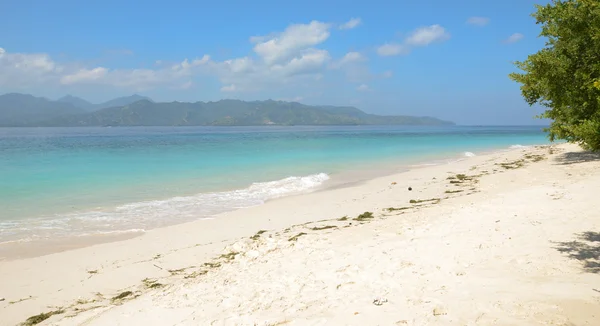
72	181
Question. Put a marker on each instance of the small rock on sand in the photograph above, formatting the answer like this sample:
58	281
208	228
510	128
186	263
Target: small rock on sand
379	301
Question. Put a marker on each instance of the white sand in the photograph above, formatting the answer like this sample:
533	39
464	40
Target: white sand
486	256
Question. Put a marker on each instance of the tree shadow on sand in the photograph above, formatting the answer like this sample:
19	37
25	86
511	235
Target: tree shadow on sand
585	249
577	157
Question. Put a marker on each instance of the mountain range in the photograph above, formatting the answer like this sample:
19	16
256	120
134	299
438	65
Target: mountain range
23	110
87	106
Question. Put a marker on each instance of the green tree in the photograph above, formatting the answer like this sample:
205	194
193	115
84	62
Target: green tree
564	76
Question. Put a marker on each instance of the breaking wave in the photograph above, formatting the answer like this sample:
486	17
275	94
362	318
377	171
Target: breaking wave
517	146
137	217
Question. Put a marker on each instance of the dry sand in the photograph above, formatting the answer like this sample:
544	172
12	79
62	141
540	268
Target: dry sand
505	239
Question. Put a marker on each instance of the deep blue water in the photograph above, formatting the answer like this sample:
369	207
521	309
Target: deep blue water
65	181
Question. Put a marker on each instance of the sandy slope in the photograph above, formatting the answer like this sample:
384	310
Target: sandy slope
519	245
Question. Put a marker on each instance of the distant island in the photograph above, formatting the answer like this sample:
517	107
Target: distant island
22	110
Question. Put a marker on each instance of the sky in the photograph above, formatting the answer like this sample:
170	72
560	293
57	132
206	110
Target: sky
447	59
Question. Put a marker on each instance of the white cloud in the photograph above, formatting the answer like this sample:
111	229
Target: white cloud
352	23
349	58
84	75
426	35
387	74
312	60
228	88
478	21
352	64
352	57
201	61
516	37
250	75
363	88
185	66
391	49
239	65
31	62
421	36
21	70
138	79
280	59
282	46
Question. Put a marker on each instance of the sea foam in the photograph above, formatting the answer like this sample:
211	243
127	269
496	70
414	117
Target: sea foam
136	217
468	154
517	146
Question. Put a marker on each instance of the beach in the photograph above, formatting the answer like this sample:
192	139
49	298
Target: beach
507	238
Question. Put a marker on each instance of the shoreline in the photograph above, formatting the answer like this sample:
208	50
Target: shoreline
84	282
359	174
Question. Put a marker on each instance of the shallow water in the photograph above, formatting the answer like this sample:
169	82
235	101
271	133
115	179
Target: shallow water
76	181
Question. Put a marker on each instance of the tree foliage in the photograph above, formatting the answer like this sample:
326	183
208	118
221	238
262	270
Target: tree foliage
564	76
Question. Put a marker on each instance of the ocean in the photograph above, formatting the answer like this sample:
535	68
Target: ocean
71	182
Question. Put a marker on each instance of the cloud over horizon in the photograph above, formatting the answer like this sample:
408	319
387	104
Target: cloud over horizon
279	58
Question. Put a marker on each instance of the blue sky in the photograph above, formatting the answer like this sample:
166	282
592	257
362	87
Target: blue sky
448	59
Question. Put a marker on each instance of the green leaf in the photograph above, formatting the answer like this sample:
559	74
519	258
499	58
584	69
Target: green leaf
564	76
